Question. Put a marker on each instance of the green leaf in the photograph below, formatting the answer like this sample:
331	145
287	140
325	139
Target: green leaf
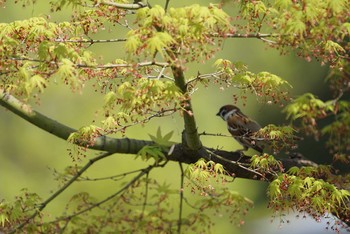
218	168
110	98
296	27
159	42
274	189
337	5
133	42
332	46
151	151
109	123
39	82
163	141
293	171
308	181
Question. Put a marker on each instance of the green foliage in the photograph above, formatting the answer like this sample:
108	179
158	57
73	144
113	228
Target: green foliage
188	29
13	213
87	135
28	81
42	58
163	141
322	171
298	25
36	52
278	137
156	151
305	106
266	163
208	179
338	133
202	171
143	95
68	74
262	84
306	194
308	108
139	100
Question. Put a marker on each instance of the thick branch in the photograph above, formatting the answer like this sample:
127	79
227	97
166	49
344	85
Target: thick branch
62	131
235	163
191	134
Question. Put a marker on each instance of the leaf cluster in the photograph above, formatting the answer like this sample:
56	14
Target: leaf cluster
338	133
308	109
278	137
140	100
41	59
307	194
265	164
209	179
299	26
85	135
18	211
263	84
202	171
185	31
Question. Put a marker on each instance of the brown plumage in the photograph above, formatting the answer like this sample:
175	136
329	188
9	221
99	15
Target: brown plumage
240	126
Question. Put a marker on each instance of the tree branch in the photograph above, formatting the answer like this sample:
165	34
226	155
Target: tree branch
124	6
191	134
230	160
102	143
90	41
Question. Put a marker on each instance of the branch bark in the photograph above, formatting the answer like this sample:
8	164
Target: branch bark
133	6
102	143
191	134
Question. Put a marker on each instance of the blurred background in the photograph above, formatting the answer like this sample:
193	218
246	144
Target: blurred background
29	155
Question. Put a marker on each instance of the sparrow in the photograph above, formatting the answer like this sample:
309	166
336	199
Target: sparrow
241	127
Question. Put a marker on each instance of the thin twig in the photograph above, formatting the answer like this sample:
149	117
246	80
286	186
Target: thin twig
141	64
120	65
204	76
145	120
213	134
166	5
63	188
124	6
179	222
244	166
90	41
115	177
145	198
126	186
161	72
247	35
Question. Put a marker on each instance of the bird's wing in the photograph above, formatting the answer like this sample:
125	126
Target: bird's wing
253	126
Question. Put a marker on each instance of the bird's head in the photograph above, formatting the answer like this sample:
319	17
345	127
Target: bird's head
227	110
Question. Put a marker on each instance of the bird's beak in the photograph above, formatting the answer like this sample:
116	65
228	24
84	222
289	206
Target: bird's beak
218	114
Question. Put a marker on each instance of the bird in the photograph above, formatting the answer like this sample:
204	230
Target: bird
241	127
